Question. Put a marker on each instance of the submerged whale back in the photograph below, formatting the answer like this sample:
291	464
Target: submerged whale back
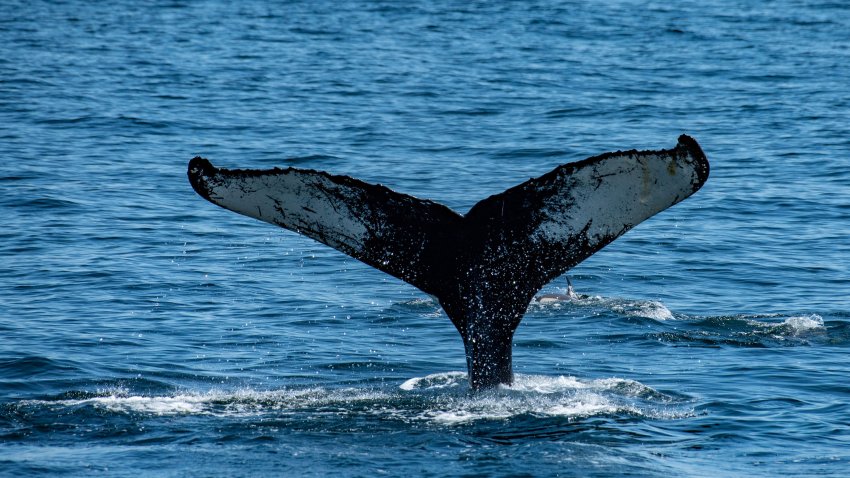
485	266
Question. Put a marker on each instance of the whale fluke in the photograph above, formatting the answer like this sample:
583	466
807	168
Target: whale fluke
485	266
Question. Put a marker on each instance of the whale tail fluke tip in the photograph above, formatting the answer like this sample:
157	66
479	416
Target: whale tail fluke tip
693	148
200	169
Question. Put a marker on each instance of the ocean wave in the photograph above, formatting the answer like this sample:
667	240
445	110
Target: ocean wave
748	331
791	327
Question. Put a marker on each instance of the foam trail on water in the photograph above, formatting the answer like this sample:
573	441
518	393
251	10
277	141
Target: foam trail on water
217	402
442	398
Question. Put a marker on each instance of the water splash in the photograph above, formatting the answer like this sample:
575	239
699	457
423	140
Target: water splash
543	396
440	399
435	381
651	309
793	327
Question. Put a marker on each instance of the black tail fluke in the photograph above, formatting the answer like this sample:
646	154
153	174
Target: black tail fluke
486	266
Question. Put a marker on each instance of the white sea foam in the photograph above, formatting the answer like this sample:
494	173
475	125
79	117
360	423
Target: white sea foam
435	381
502	406
652	309
538	395
178	404
442	398
531	384
804	323
794	326
222	403
156	405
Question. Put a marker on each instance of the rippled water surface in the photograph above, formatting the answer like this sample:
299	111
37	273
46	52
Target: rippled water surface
145	331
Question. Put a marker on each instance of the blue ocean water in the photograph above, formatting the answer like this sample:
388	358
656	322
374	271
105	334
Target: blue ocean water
145	331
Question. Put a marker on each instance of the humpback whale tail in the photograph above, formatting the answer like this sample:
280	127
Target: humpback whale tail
485	266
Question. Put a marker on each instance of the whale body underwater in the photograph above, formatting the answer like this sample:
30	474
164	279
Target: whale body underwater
484	267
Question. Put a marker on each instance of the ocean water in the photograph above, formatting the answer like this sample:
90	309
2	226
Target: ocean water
143	331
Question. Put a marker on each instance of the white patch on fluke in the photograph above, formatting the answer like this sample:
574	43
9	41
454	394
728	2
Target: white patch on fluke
614	195
312	204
